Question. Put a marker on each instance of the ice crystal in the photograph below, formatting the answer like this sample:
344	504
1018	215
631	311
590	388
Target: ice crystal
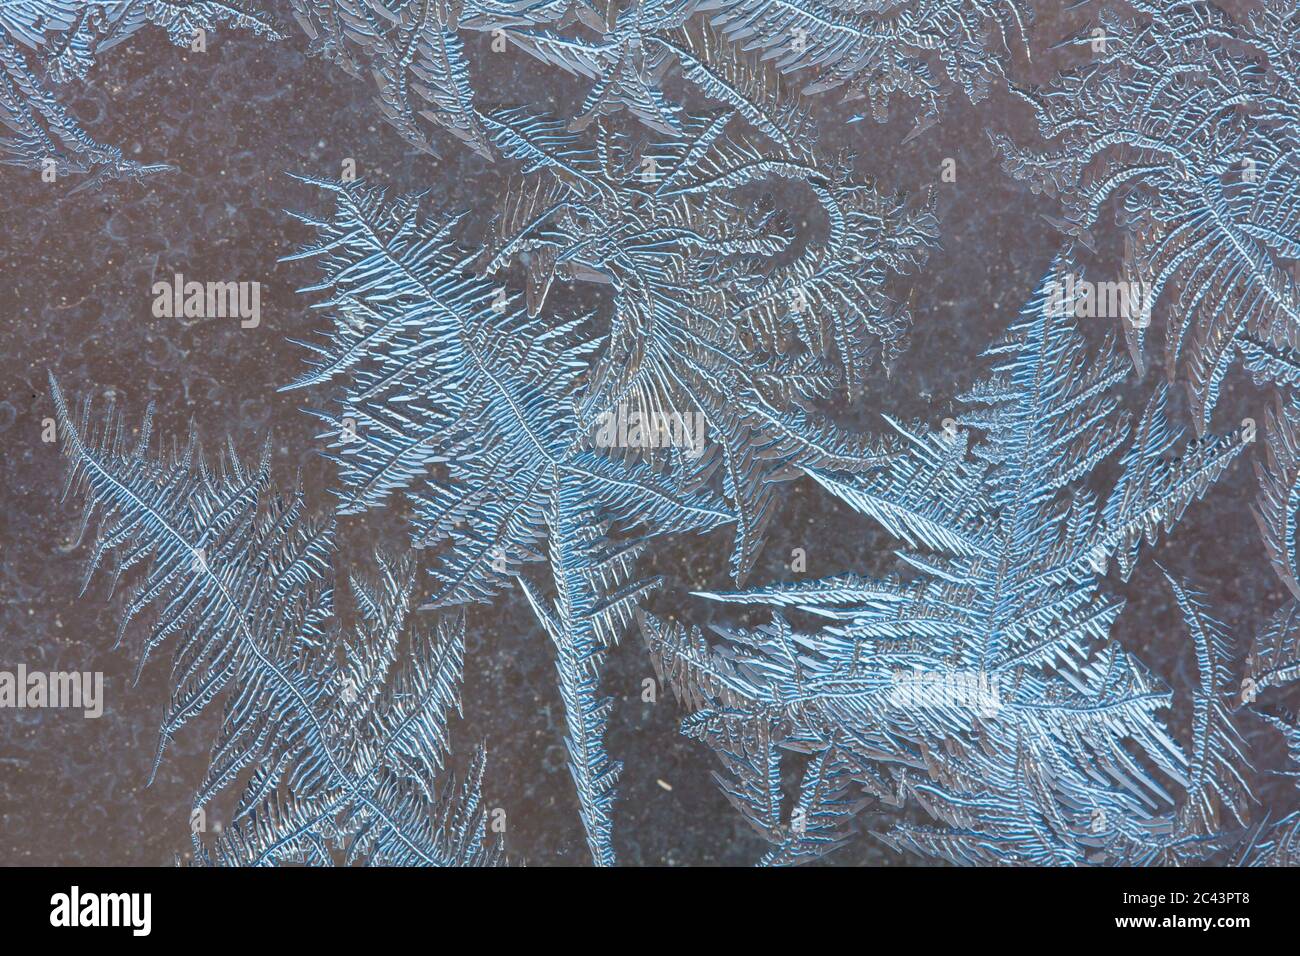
45	44
336	750
1193	119
875	49
984	685
501	418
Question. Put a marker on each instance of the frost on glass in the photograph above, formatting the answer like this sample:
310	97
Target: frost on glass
46	45
981	684
335	739
639	57
1190	121
494	411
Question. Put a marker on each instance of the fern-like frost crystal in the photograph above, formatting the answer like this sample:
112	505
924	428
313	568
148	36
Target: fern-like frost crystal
335	741
983	684
1193	120
46	44
501	418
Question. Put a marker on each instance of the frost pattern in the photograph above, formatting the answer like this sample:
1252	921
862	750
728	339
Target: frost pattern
444	369
413	53
982	684
632	54
706	319
46	44
337	749
1194	121
1274	661
881	47
489	411
874	48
